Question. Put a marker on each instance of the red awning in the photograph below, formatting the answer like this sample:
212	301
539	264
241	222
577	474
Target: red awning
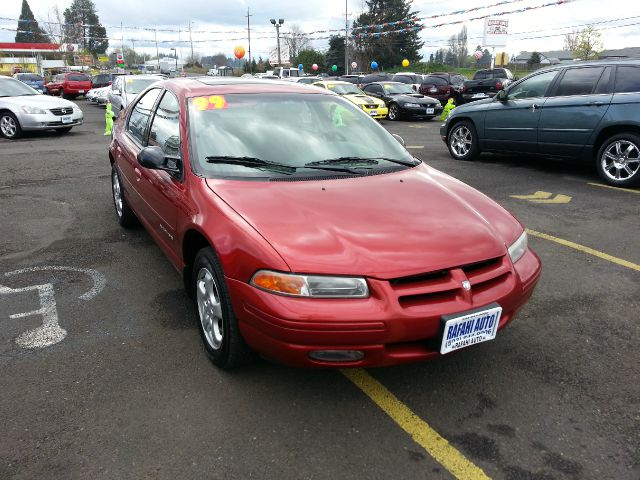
29	47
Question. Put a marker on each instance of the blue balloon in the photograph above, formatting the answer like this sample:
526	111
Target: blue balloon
374	65
300	66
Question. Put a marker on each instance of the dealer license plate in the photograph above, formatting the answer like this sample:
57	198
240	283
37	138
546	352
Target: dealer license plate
80	91
67	119
430	111
469	328
373	113
479	95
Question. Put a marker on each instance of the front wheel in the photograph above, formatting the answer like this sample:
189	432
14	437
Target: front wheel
218	326
394	112
463	141
618	160
9	126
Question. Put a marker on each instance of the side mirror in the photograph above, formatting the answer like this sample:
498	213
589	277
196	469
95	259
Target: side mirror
154	158
501	96
116	92
398	138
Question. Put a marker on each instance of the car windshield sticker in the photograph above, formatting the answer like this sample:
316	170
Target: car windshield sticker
214	102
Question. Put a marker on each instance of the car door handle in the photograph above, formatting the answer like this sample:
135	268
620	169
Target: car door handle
595	104
535	107
138	174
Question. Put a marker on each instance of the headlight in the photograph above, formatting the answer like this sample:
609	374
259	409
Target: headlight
33	110
517	248
310	285
411	105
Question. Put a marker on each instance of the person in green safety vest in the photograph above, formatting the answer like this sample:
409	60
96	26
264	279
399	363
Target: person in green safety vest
109	119
449	106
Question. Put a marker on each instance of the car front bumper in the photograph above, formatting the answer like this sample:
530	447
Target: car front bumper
48	121
385	330
421	111
381	112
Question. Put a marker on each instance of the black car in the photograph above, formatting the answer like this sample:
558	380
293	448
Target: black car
374	77
403	101
101	80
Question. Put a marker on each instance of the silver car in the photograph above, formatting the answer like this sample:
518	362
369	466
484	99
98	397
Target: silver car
126	87
24	109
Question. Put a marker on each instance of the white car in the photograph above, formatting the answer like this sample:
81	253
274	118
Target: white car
22	109
126	87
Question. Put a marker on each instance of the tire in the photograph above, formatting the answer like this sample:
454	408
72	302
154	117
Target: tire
394	112
126	217
217	323
62	131
10	126
462	141
61	93
618	160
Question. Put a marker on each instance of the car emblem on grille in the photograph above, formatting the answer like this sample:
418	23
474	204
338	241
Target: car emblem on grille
466	284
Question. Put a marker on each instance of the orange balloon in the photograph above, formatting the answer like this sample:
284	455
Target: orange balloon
239	52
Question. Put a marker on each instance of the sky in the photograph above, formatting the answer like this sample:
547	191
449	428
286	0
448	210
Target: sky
219	29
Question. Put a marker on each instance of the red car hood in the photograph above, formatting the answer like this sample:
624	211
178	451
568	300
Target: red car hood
383	226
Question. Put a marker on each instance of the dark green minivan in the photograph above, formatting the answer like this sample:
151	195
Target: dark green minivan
586	110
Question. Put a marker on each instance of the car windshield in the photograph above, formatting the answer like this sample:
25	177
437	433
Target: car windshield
29	77
136	85
78	78
14	88
397	88
344	88
239	135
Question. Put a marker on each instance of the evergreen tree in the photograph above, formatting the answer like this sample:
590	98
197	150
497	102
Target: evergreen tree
28	29
389	50
310	56
534	59
335	54
83	27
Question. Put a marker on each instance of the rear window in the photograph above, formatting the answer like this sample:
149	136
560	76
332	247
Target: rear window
435	81
102	78
29	77
579	81
78	78
408	79
628	79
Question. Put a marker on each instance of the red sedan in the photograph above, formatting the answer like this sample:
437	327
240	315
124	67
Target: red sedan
307	233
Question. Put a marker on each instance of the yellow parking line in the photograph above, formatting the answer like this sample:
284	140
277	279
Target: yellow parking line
425	436
582	248
628	190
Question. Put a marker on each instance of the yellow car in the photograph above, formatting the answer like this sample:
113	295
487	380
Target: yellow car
375	107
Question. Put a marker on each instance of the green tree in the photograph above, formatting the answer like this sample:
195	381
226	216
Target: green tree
589	44
335	54
310	56
389	50
534	59
83	27
28	29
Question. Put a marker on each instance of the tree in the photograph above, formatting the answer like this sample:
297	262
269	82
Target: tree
54	24
310	56
335	54
462	48
28	29
83	27
534	59
589	44
388	49
571	40
297	41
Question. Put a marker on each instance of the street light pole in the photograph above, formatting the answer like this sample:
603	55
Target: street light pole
278	24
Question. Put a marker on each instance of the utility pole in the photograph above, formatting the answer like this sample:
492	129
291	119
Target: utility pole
193	60
346	37
155	35
278	24
249	37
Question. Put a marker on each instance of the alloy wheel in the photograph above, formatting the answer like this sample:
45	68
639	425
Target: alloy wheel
117	192
461	141
8	126
620	160
393	112
209	308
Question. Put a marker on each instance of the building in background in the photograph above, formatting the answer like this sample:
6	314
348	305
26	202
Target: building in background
30	57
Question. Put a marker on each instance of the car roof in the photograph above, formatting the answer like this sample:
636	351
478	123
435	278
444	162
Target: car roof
334	82
195	86
387	82
589	63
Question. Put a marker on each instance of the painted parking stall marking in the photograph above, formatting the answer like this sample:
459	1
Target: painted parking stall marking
50	332
628	190
544	197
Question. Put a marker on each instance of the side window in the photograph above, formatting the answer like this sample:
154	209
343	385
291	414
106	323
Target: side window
605	85
165	127
579	81
532	87
628	79
140	115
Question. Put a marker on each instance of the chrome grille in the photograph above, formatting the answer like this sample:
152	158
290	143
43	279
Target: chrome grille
62	111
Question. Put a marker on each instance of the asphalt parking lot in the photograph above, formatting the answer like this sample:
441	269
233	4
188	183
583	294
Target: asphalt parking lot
115	382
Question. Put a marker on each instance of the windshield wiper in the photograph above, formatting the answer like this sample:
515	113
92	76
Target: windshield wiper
359	160
259	163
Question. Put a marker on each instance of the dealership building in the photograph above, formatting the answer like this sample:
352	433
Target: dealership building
31	57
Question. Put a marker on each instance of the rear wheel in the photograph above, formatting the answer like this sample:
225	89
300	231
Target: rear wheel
463	141
126	217
618	160
218	326
9	126
394	112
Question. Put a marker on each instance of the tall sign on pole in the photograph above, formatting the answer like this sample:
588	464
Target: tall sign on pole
496	32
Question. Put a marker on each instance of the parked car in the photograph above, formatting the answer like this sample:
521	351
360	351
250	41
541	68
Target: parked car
125	88
306	80
373	77
443	86
586	111
24	109
34	80
486	83
403	101
355	79
410	78
69	85
394	262
374	107
102	80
